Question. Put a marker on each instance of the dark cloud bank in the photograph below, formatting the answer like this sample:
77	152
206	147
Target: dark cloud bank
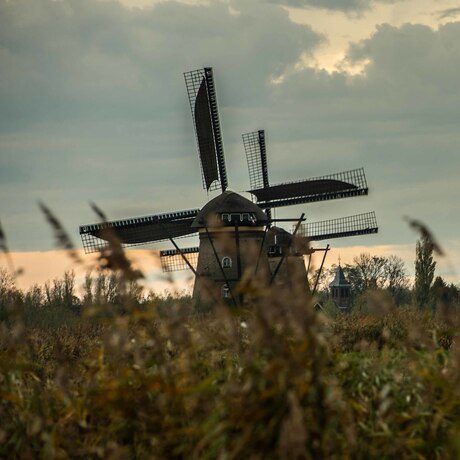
93	107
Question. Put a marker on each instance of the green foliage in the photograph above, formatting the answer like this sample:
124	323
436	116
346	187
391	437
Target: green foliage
424	271
443	294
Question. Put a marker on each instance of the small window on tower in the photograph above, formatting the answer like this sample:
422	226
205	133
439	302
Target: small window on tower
226	262
225	291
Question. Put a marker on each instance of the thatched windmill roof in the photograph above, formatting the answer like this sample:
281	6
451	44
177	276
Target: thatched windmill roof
228	203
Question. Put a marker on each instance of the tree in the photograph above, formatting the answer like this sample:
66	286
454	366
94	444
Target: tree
10	295
424	271
367	272
397	282
34	297
7	286
375	273
61	292
443	293
111	289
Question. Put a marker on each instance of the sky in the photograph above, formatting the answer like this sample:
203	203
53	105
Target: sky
93	107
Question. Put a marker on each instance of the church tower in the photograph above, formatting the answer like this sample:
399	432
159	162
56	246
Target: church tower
340	290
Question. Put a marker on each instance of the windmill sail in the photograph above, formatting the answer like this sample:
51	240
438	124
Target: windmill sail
256	156
139	230
203	104
172	260
359	224
340	185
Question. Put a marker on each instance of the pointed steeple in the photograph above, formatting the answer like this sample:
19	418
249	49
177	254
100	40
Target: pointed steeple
340	290
339	279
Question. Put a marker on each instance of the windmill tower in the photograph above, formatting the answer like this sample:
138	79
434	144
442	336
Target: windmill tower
286	258
235	234
232	232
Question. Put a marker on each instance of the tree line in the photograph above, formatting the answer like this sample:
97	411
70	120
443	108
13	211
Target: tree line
367	273
389	274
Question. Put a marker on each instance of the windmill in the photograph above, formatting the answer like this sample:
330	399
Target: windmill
340	185
232	230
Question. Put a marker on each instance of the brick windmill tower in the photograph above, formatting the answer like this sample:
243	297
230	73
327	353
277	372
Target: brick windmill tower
232	232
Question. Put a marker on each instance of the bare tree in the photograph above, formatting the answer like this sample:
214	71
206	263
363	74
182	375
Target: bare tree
397	281
10	295
367	272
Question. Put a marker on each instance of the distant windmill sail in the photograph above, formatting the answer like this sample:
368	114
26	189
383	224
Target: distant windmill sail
203	104
139	230
359	224
172	260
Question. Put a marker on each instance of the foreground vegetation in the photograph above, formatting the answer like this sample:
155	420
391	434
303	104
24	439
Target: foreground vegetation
119	375
274	380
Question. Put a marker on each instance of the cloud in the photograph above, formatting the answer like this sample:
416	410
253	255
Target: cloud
346	6
92	101
398	120
448	13
91	59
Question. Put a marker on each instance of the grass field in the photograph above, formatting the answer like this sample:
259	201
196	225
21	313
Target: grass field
274	380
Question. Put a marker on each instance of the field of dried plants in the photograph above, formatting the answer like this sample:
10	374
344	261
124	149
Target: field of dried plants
274	380
161	378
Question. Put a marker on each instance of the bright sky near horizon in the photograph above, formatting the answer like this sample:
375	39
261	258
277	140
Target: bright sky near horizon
93	107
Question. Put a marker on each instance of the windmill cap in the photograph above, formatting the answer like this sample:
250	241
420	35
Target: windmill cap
298	245
228	203
283	237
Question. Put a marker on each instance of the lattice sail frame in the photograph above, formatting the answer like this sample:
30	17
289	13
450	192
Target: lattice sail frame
139	230
194	81
359	224
256	156
355	178
172	260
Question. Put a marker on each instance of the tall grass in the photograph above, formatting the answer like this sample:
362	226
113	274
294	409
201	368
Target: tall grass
165	379
274	380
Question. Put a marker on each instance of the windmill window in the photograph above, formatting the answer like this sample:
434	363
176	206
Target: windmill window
274	250
226	262
225	291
